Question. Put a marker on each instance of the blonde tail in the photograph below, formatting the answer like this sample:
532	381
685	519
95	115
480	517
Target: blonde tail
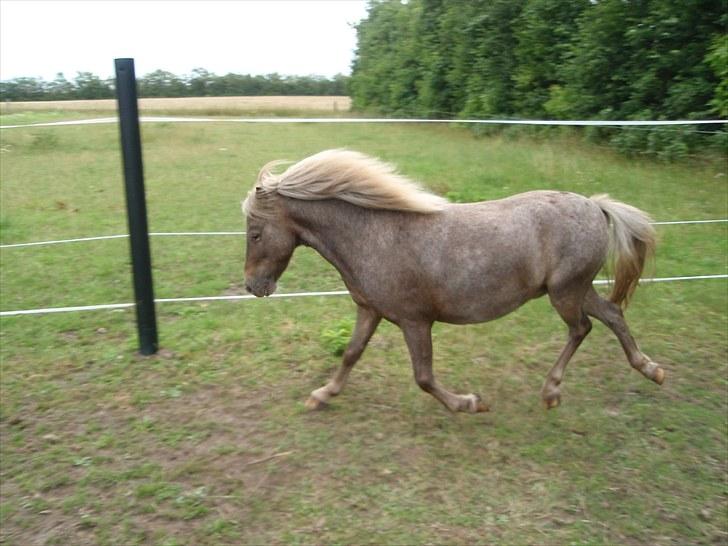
633	242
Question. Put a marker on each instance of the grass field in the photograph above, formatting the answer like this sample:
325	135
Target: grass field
209	443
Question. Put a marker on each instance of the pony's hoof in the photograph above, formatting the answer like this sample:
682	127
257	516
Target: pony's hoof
314	404
473	403
552	401
480	406
659	377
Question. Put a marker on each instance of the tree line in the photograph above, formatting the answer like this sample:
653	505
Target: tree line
556	59
160	83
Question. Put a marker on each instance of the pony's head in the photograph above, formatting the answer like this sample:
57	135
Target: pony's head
270	241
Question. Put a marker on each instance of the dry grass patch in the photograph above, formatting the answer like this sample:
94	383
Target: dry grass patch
207	105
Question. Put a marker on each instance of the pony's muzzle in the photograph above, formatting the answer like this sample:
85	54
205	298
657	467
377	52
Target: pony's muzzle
260	288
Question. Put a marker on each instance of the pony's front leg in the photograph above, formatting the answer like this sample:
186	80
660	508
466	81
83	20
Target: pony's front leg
418	336
366	322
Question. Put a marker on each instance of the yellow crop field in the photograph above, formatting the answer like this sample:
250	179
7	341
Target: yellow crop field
206	105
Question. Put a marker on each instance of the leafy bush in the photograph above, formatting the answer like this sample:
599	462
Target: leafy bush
557	59
336	337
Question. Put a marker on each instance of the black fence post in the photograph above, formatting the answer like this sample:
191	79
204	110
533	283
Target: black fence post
136	207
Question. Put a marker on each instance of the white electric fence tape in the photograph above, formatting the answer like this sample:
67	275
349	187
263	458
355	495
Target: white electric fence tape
571	123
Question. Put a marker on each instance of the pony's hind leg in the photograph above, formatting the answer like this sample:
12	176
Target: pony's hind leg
366	322
418	336
611	315
569	305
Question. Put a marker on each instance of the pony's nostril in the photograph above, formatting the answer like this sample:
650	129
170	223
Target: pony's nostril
248	289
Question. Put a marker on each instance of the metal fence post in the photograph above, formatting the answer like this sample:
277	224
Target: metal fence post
136	207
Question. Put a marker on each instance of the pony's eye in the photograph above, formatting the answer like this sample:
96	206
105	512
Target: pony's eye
256	237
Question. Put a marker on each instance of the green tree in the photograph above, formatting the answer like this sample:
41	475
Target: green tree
445	56
717	59
161	83
60	88
644	59
200	82
490	86
23	89
90	86
385	70
543	32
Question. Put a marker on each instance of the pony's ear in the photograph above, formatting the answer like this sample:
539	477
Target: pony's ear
266	175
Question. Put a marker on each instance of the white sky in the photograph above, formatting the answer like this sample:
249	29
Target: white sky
41	38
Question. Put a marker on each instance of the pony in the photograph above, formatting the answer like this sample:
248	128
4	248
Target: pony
413	258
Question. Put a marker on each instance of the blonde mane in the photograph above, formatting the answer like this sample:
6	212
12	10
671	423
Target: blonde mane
340	174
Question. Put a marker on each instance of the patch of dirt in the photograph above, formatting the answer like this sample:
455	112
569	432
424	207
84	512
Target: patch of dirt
235	289
227	453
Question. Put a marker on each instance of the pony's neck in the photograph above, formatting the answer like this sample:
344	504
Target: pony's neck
333	228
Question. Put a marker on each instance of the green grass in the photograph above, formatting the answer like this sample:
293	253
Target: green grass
101	446
50	116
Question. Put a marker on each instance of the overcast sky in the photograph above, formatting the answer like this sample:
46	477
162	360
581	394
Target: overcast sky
41	38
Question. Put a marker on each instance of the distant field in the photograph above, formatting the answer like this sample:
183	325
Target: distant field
206	105
208	443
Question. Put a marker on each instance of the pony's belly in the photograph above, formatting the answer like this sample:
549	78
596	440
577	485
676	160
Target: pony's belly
474	310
